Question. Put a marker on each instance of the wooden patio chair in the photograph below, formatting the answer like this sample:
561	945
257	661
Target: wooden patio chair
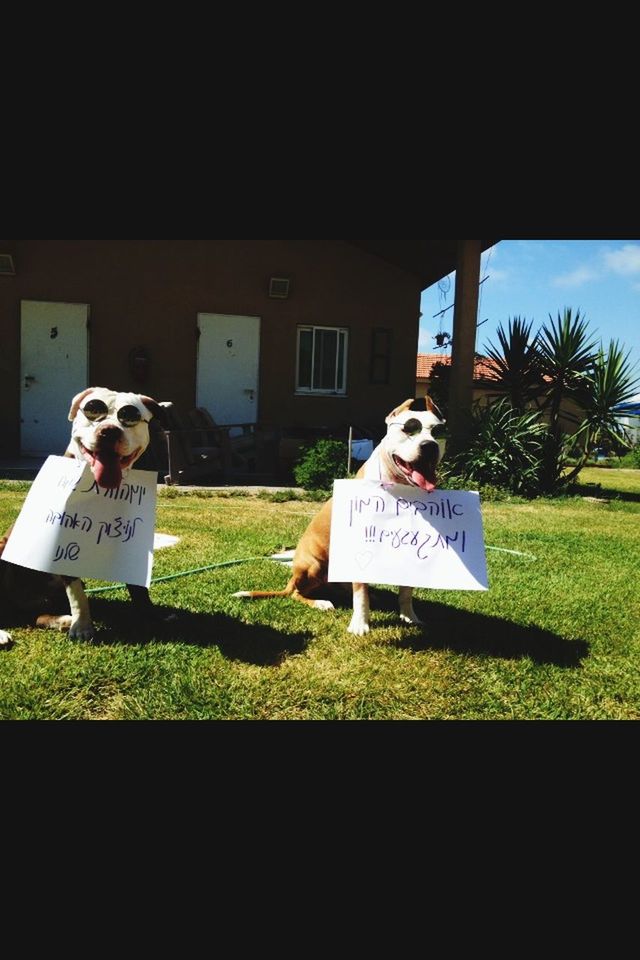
184	453
241	442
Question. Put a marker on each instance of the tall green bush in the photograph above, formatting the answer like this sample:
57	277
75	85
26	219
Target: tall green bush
504	449
631	460
321	464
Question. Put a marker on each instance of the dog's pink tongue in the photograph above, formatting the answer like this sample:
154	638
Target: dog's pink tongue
422	482
106	469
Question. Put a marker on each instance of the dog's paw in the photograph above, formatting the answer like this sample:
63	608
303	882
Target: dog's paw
50	621
412	617
323	605
359	627
153	615
82	630
5	640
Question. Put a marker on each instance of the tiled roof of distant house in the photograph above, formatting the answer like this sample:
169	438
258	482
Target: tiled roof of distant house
427	361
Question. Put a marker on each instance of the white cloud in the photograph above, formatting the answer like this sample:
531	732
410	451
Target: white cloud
576	278
625	261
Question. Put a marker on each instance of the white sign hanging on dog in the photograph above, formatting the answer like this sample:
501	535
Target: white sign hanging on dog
403	536
69	525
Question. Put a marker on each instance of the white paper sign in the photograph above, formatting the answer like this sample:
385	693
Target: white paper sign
402	535
69	525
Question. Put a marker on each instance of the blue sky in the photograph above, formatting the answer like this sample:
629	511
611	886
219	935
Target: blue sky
535	278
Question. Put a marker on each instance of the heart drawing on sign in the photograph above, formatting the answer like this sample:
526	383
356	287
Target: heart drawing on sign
364	559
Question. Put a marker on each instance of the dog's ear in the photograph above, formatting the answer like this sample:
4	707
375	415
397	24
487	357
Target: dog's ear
417	405
154	408
430	407
401	409
77	400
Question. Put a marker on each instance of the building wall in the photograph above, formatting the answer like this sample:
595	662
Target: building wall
149	292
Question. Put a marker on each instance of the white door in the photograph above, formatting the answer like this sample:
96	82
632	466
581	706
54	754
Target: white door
228	361
53	368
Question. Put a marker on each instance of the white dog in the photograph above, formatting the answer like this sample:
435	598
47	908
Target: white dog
409	453
111	432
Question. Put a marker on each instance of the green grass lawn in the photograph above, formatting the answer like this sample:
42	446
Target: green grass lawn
555	637
610	482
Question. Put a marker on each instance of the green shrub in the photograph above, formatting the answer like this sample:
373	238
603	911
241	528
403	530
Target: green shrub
631	459
321	464
287	496
504	450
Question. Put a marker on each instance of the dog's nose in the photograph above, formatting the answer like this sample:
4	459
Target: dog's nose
109	434
429	448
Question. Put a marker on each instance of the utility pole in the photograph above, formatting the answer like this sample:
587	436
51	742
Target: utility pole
465	318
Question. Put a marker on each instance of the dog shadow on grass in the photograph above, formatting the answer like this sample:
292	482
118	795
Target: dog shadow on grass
447	628
118	623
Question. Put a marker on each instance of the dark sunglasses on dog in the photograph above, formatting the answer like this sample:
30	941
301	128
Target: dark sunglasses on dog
414	426
96	410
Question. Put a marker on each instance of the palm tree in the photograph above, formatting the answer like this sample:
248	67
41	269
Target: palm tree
566	358
571	380
514	364
613	380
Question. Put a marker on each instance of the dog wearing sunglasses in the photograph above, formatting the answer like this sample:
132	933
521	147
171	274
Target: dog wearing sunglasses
409	453
110	432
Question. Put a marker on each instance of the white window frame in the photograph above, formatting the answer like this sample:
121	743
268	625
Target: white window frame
340	389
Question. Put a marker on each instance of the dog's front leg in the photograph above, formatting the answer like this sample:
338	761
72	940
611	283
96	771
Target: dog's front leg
360	620
141	599
81	627
145	608
407	613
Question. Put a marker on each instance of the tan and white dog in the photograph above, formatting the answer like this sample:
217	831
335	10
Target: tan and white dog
111	432
409	453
